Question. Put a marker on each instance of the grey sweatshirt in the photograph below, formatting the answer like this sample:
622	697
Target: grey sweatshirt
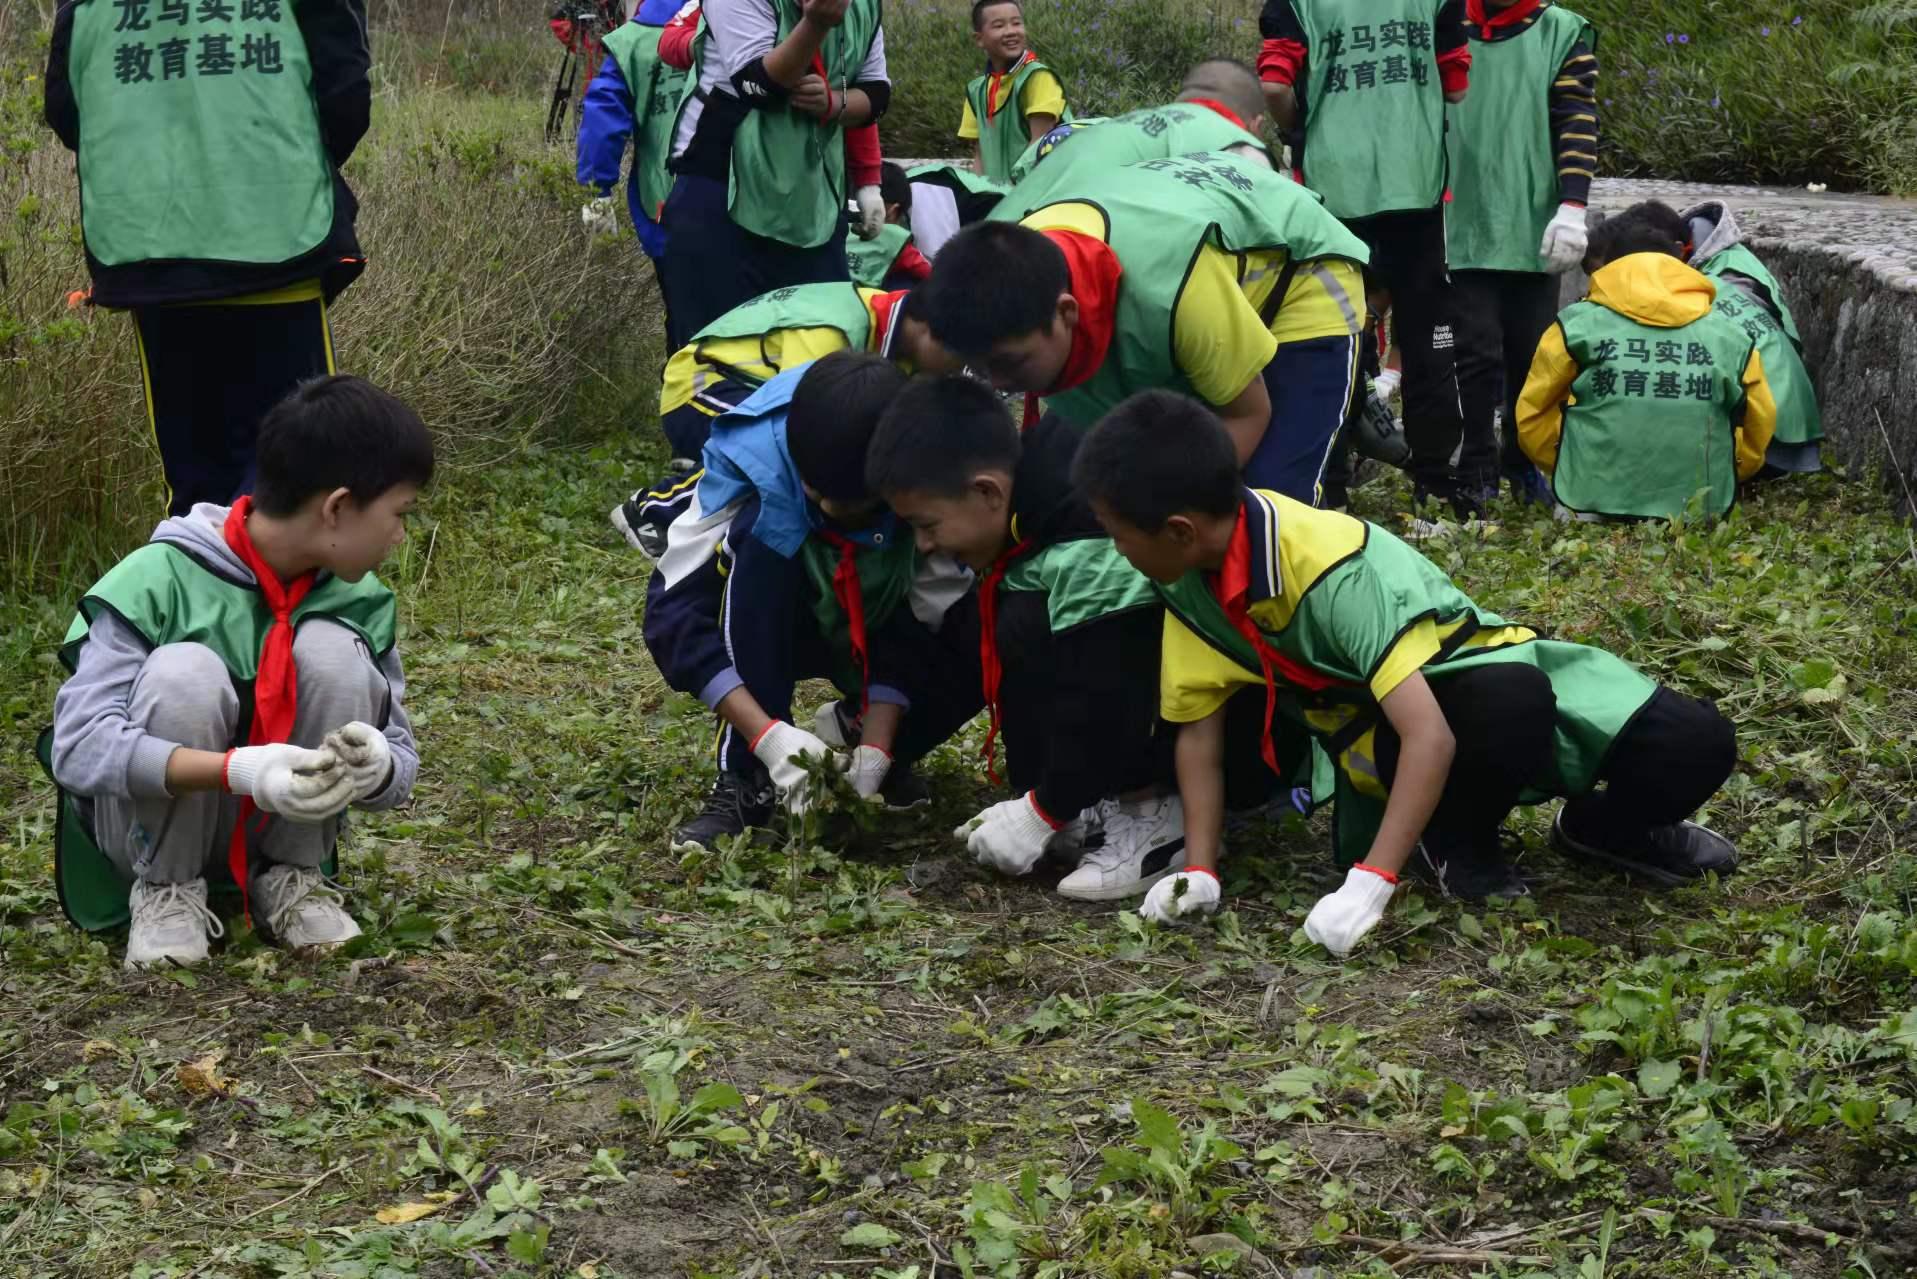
98	751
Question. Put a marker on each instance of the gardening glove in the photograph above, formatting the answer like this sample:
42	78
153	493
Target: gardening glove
1009	837
363	751
1387	382
1565	239
596	216
778	748
290	781
871	212
866	768
1164	903
1341	919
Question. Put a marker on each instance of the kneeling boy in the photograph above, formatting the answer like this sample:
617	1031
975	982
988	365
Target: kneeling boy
1439	715
236	686
782	567
1069	634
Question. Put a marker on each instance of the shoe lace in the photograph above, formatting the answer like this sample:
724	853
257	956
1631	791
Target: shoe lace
163	903
305	884
731	797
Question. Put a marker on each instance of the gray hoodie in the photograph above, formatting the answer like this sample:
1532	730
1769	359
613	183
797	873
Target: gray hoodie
98	751
1714	229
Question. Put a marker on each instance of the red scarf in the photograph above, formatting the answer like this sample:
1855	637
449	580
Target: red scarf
845	589
1094	271
996	78
991	670
1231	587
885	310
1486	19
276	688
1220	108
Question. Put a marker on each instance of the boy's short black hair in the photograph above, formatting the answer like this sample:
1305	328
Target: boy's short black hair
337	432
1650	227
992	281
938	434
980	6
828	426
894	186
1157	455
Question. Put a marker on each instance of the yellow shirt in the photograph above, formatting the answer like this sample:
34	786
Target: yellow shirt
1042	95
760	357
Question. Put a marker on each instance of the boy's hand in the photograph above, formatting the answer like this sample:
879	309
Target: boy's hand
1192	891
597	216
825	13
871	212
810	95
1009	837
290	781
779	748
866	768
1340	920
363	751
1566	237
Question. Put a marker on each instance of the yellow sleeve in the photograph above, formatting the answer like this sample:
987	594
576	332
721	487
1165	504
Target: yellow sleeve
1760	419
1541	405
1042	95
968	123
1218	340
1413	649
1195	679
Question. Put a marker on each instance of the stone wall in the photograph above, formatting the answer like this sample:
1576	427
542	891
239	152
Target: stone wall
1848	265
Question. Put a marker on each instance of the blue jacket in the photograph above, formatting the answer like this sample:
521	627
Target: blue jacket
606	122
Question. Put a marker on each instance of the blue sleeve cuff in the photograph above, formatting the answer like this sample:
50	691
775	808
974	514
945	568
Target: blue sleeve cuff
719	685
888	695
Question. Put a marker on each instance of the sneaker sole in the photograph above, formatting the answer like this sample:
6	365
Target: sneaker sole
1599	860
619	521
1119	892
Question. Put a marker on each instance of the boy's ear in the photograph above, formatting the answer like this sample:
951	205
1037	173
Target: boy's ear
333	505
994	487
1182	532
1068	310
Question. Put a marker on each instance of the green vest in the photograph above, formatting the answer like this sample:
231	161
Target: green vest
1004	135
1739	260
871	260
168	597
1799	420
1155	133
1158	215
656	91
796	306
1652	413
1374	110
952	175
886	574
1084	579
1504	172
1384	589
788	168
199	137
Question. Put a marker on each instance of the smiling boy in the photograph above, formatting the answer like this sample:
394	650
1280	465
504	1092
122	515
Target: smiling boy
1017	99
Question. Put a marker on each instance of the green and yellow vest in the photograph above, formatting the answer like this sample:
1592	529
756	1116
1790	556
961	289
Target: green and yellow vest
1799	419
1005	134
871	260
657	90
1099	147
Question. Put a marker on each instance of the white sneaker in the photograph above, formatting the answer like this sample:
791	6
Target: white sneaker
171	924
300	910
1144	842
1087	830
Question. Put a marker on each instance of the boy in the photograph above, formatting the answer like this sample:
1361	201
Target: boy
743	350
236	686
1069	634
1523	147
784	567
1714	245
890	260
1018	99
1360	88
1439	715
1645	393
1206	273
634	96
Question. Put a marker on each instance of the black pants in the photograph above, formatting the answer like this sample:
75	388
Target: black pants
212	372
1408	258
1671	759
713	265
1501	316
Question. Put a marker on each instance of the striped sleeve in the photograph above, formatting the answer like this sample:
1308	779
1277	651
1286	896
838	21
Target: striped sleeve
1574	123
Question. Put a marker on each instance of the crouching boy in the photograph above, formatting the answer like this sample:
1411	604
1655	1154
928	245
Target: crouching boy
1439	715
1068	630
783	567
236	687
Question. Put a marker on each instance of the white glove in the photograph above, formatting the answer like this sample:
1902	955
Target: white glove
826	727
363	751
596	216
866	768
1009	837
290	781
1565	239
871	212
1387	382
777	748
1341	919
1164	903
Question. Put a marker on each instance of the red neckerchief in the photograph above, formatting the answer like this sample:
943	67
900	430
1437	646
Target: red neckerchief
1231	587
276	688
885	309
818	69
991	670
913	263
845	589
1094	271
1485	19
998	77
1220	108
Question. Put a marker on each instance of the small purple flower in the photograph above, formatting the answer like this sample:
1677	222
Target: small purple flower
1798	21
1764	31
1684	39
1669	38
1716	102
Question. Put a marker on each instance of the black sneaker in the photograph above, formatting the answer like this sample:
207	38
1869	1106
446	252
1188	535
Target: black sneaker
904	789
1466	871
641	534
736	805
1668	856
